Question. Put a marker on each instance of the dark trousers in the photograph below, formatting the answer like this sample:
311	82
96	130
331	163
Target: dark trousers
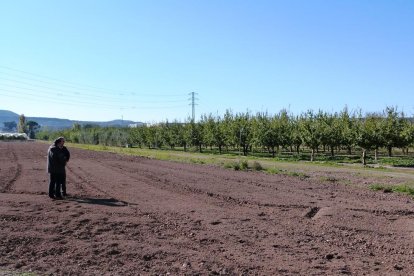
64	184
56	180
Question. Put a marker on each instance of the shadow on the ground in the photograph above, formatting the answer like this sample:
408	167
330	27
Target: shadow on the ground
404	166
99	201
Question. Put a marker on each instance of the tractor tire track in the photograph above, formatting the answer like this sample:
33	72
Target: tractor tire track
80	178
15	172
162	182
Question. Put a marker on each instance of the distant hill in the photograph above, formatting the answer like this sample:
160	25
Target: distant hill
56	123
8	116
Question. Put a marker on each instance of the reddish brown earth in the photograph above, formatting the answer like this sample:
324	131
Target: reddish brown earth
132	215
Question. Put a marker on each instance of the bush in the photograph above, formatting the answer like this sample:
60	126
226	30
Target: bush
273	171
244	165
237	166
257	166
404	189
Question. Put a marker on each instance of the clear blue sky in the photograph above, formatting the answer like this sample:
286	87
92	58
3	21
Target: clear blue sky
138	60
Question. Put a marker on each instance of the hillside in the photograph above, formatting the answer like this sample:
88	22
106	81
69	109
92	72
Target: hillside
57	123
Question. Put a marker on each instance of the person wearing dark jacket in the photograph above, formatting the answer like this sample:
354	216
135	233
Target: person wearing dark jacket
57	157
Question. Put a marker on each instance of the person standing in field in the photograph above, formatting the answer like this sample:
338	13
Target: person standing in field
57	158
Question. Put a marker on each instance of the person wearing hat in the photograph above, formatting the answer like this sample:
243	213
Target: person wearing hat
57	157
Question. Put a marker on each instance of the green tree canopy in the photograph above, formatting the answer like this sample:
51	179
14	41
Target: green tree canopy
9	126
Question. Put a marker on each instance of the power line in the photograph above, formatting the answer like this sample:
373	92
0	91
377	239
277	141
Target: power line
55	81
23	86
35	98
38	90
74	93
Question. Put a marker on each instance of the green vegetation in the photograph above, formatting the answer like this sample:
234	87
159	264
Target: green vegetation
402	188
322	137
21	127
9	126
298	174
274	170
28	127
256	166
400	161
268	165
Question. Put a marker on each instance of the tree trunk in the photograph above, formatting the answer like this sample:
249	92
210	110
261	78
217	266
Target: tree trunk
389	151
312	154
349	150
364	157
332	151
376	155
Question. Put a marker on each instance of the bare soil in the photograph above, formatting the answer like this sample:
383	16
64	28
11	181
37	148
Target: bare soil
136	216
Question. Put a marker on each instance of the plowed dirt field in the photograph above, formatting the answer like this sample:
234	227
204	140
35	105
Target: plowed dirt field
137	216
